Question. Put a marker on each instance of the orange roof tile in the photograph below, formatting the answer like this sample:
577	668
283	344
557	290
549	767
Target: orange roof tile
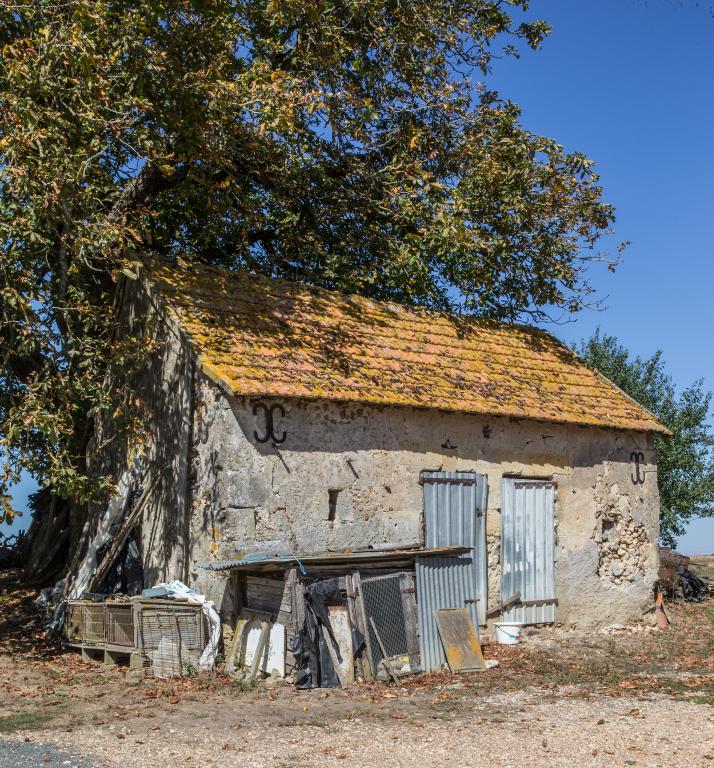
255	336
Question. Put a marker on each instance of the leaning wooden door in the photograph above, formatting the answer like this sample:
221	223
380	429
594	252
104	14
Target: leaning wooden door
528	549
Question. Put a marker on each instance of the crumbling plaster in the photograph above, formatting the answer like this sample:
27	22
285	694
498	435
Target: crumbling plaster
348	476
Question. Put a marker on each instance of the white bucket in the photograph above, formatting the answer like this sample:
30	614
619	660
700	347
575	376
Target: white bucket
508	633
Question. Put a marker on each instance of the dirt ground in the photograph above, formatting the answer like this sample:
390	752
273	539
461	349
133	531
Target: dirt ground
636	697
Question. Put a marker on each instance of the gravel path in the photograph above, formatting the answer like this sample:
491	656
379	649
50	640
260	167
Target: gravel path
510	731
29	754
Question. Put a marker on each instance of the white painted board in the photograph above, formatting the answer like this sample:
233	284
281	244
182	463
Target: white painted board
273	662
344	664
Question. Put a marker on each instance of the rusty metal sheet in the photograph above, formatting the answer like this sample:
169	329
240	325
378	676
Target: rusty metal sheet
459	639
264	562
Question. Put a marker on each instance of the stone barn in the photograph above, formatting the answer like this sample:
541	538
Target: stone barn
283	421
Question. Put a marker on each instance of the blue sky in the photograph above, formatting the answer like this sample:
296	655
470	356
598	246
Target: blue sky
629	83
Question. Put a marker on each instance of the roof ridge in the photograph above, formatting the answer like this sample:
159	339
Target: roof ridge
392	304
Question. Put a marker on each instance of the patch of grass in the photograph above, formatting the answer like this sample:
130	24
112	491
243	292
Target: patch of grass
447	705
702	566
703	571
676	661
290	723
27	721
707	699
245	686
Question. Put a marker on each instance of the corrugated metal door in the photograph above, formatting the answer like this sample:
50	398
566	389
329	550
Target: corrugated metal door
454	514
527	549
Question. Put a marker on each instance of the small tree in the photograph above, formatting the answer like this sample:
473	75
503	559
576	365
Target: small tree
352	145
686	459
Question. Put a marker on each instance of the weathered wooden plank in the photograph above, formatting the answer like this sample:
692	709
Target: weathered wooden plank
407	585
459	639
343	661
297	598
361	618
274	596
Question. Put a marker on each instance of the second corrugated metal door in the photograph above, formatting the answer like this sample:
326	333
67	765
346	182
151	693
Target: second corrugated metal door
527	549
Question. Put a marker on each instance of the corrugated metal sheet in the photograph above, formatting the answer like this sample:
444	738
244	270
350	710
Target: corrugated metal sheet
281	561
527	548
454	514
442	582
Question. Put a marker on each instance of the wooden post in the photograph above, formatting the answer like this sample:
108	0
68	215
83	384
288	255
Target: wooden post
298	600
366	658
407	588
352	613
234	659
390	671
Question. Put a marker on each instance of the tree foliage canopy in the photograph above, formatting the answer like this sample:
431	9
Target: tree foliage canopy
685	461
345	143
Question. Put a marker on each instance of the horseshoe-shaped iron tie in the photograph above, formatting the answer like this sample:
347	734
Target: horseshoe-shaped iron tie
269	413
638	478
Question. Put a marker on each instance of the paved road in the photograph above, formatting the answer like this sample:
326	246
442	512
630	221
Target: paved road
33	754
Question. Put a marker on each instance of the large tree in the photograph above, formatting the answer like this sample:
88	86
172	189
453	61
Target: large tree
685	461
352	144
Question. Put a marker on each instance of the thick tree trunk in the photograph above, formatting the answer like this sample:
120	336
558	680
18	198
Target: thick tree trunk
48	539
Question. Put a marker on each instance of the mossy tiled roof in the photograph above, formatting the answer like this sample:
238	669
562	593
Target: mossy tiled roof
261	337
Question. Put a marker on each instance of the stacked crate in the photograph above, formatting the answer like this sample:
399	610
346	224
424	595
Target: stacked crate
164	637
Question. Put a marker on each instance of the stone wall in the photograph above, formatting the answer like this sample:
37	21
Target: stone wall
348	476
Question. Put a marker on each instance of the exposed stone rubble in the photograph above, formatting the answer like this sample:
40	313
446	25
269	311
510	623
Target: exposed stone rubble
622	548
493	548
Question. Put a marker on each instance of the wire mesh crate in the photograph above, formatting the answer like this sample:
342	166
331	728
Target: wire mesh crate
93	624
390	601
172	637
119	620
73	624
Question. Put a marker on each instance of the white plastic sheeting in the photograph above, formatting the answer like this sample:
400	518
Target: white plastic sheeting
112	515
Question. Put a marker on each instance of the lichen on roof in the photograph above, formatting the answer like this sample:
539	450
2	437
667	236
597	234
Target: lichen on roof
259	337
